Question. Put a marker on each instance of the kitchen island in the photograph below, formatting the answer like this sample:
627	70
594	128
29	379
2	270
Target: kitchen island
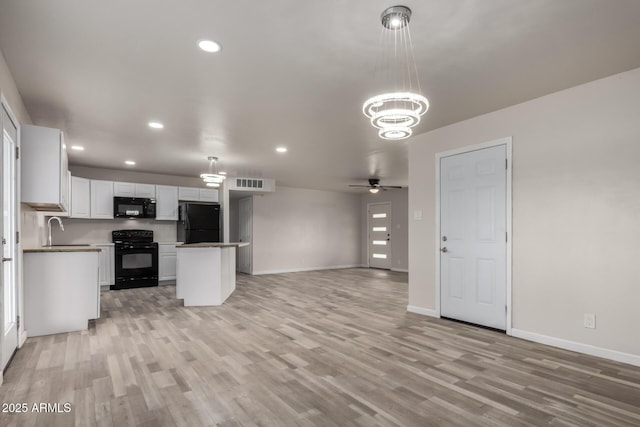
206	272
61	290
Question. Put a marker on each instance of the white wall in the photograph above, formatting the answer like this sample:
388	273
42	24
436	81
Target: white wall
297	229
9	90
576	213
399	199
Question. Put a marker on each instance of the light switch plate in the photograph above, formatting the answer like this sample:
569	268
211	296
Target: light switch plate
417	215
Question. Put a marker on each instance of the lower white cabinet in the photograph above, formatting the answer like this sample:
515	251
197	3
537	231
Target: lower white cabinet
106	265
60	290
167	259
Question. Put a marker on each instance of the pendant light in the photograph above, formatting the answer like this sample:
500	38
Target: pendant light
213	178
395	112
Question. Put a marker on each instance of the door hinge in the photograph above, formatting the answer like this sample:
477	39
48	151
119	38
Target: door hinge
506	237
17	153
506	163
17	237
18	322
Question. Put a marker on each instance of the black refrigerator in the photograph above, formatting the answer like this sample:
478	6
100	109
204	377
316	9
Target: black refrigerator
198	222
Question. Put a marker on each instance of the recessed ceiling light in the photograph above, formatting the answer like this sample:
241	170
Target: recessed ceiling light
77	147
129	162
281	149
209	46
156	125
222	173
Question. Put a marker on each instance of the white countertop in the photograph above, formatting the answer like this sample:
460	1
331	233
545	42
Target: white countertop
63	249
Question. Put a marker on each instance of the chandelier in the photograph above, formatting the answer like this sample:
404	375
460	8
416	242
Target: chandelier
394	113
213	178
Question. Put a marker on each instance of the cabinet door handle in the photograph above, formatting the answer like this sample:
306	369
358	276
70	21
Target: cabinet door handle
7	259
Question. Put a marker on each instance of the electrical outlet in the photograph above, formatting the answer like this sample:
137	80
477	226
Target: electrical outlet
590	320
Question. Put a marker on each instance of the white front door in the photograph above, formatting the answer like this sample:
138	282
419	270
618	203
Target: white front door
8	224
473	257
379	223
245	211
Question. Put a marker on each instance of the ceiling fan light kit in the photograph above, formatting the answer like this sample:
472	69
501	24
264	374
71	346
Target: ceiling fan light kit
374	186
395	113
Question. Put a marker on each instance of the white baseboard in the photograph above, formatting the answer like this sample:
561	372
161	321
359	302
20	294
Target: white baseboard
297	270
422	310
22	338
591	350
400	270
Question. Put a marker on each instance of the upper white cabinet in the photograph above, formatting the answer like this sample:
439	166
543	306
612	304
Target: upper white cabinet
166	202
147	191
130	189
44	166
101	199
80	198
207	195
193	194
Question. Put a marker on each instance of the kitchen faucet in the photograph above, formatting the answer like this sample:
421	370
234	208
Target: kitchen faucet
49	225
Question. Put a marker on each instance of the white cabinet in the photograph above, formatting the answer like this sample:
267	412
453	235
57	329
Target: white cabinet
44	167
166	202
106	265
167	259
80	198
101	199
60	290
207	195
130	189
194	194
124	189
147	191
191	194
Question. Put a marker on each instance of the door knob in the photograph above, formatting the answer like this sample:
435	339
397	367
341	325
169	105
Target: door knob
444	249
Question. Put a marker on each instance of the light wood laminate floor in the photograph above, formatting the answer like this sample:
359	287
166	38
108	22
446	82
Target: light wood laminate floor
327	348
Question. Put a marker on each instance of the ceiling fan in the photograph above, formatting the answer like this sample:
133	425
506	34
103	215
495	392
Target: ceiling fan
374	186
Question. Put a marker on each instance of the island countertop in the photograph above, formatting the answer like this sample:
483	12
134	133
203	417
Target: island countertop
213	245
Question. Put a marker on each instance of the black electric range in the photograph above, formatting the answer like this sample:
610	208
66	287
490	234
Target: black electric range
136	259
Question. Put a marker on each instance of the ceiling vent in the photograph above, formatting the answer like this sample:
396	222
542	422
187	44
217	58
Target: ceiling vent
251	184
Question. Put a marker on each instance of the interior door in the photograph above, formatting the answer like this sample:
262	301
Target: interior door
245	225
473	244
8	224
379	223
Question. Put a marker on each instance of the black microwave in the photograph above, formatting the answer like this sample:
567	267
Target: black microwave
134	207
